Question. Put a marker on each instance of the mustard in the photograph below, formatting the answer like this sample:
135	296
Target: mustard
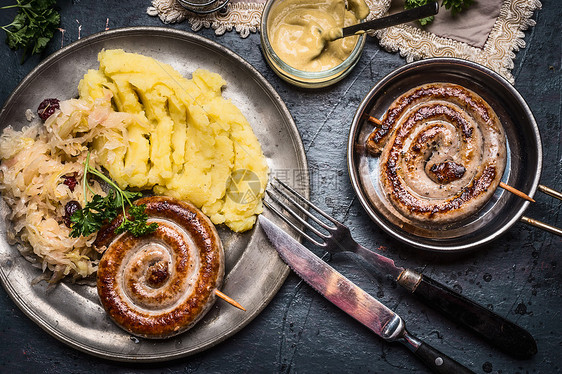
302	32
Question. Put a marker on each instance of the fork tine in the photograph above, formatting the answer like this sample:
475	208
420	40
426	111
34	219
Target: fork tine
282	216
296	216
301	208
318	210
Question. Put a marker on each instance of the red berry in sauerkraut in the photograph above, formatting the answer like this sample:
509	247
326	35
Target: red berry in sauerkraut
69	209
47	108
70	181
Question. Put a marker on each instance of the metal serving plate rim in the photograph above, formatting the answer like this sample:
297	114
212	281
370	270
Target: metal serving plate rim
355	178
277	281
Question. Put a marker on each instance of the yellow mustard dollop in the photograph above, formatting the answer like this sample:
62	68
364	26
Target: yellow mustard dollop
301	32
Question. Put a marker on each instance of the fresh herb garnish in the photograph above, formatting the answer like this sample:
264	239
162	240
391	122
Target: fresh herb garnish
455	6
101	210
33	27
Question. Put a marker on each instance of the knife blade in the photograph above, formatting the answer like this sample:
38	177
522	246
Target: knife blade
353	300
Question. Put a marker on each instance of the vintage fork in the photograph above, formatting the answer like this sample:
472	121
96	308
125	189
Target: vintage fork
338	237
495	329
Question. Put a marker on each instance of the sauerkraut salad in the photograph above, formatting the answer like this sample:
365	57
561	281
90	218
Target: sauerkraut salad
41	169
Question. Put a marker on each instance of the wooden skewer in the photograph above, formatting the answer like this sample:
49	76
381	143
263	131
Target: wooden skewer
229	300
516	192
374	120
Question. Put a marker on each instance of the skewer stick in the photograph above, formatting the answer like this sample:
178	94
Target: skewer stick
229	300
374	120
516	192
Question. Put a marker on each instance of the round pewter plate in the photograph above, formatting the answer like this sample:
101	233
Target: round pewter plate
254	271
523	168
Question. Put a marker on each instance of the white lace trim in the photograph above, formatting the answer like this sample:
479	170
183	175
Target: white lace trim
242	17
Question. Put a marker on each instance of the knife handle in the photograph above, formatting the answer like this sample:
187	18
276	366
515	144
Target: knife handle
409	15
435	360
501	333
438	362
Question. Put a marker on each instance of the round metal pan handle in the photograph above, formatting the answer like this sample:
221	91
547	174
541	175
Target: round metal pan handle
542	225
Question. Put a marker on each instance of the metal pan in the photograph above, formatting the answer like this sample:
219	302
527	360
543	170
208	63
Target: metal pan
524	156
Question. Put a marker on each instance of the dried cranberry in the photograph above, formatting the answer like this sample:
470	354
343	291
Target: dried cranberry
47	107
69	209
70	181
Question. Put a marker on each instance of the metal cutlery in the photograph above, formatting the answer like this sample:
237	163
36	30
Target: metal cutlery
354	301
334	237
409	15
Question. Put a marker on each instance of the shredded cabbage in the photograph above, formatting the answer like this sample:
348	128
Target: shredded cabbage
33	166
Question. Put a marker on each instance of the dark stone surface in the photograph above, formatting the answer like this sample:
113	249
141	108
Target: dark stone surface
300	332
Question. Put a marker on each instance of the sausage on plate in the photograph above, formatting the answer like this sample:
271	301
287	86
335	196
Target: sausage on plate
160	284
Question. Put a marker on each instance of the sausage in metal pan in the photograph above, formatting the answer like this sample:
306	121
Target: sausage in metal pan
442	152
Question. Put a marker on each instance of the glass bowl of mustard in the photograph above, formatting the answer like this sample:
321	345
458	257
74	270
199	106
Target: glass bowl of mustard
296	45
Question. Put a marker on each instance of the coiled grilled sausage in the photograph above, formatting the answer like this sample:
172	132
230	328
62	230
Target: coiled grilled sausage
442	152
160	284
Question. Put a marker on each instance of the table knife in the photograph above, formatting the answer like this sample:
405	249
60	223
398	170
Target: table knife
353	300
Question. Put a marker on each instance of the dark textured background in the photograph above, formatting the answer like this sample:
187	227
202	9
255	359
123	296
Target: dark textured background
300	332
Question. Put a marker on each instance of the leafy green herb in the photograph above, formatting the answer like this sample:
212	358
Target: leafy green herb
101	210
138	225
409	4
33	26
455	6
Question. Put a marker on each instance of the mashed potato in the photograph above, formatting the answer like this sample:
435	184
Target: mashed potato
187	141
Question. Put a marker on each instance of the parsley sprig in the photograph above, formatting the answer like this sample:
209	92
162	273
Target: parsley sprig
101	210
455	6
33	26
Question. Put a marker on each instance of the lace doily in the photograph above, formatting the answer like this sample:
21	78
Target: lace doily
244	17
413	43
498	52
